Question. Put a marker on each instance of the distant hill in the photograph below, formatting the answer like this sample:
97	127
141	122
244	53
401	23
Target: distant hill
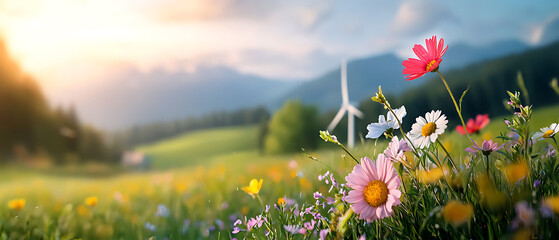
488	81
137	98
366	74
133	98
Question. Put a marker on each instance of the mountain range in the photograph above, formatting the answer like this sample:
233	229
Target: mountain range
132	97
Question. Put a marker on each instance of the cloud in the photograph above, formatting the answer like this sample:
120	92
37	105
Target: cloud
203	10
416	17
546	33
311	16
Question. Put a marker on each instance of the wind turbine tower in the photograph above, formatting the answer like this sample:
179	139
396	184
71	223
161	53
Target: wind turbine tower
346	107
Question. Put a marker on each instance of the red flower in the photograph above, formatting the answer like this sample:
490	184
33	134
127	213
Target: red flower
428	59
474	125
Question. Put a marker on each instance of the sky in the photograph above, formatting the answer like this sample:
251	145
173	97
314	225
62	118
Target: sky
79	41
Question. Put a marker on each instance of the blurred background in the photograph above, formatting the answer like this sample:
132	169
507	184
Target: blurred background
94	81
181	103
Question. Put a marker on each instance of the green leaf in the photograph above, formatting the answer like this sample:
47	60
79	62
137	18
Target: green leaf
462	97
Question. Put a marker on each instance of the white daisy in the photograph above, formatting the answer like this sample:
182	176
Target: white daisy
547	132
377	129
426	130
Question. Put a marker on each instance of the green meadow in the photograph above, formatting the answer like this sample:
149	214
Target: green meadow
193	189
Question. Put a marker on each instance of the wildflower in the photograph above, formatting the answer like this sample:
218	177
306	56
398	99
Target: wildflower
253	188
395	150
428	61
323	233
91	201
309	225
255	222
291	228
550	152
486	147
516	172
82	211
317	195
150	226
547	132
536	183
473	126
384	124
17	204
551	203
162	211
426	130
281	201
431	176
457	213
375	188
524	214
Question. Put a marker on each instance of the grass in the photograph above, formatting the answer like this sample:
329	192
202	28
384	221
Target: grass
201	147
198	177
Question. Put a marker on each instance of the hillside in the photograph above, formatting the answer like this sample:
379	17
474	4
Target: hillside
366	74
488	83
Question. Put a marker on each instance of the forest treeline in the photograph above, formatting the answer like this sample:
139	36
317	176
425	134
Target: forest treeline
30	128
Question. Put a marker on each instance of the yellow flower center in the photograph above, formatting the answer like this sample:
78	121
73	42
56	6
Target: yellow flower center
548	133
428	129
376	193
430	64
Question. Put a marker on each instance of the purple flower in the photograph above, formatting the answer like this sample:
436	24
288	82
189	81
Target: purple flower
267	208
537	183
236	230
550	152
237	222
317	195
252	222
524	213
323	233
330	200
291	228
310	225
302	231
149	226
220	224
162	211
486	147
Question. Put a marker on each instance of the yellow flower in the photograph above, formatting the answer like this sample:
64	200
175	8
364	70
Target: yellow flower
457	213
281	201
253	188
17	204
552	203
91	201
430	176
516	172
244	210
82	211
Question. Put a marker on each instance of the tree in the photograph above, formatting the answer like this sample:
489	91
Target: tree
291	128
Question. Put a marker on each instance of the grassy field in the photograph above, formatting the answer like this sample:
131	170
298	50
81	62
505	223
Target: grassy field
196	177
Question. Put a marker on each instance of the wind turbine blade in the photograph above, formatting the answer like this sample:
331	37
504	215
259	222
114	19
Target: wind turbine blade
355	111
337	118
350	129
345	98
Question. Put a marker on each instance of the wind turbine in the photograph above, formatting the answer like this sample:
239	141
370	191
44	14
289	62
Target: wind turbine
346	106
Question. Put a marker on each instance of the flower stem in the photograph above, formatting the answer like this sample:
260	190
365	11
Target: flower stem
458	110
487	164
345	149
260	200
401	130
447	154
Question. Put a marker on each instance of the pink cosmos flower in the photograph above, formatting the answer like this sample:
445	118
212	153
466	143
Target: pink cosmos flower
375	188
428	59
473	126
486	147
396	148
